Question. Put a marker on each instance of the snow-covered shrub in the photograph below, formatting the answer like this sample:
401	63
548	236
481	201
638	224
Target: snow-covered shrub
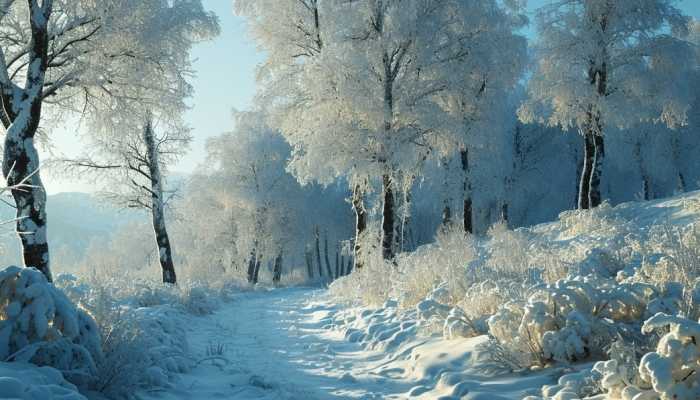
673	370
371	284
573	319
200	299
443	263
518	351
483	299
509	256
143	341
39	324
601	220
143	348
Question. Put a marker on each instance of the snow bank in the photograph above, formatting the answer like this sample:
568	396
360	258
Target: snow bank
41	325
574	291
23	381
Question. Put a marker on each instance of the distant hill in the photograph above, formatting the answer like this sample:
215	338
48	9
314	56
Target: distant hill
75	219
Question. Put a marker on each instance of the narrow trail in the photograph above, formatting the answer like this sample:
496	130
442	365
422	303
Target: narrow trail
275	347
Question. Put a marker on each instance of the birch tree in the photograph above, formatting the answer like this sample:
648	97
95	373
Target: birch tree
603	63
66	56
134	167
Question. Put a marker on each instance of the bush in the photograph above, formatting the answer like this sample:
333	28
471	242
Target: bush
39	324
673	370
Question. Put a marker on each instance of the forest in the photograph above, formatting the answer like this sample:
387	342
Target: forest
430	199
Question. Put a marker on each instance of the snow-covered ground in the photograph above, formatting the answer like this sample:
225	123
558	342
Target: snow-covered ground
294	344
565	295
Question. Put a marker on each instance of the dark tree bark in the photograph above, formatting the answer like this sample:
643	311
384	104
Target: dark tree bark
598	77
586	171
338	271
326	257
447	201
467	189
646	181
277	270
256	271
358	205
157	206
317	236
252	260
21	115
309	263
597	171
388	215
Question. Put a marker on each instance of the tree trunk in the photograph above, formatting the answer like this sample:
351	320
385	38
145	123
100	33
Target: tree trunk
504	213
21	115
467	189
317	235
646	184
358	206
596	171
447	200
251	265
326	257
256	271
598	76
277	270
586	169
405	238
157	206
388	214
21	167
309	263
579	171
338	271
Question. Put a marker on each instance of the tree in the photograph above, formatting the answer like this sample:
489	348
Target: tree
136	166
371	104
94	58
249	164
603	63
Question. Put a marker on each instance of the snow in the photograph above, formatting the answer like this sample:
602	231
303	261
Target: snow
307	343
297	343
21	381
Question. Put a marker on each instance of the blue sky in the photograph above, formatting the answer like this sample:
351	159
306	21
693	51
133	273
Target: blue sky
225	80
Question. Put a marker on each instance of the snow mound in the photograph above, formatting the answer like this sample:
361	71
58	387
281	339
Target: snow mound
39	324
571	294
24	381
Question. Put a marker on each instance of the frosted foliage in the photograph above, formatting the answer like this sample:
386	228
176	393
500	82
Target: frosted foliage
443	263
638	44
372	283
358	98
38	323
112	58
672	371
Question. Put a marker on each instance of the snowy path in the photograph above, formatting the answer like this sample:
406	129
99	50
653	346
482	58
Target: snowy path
277	348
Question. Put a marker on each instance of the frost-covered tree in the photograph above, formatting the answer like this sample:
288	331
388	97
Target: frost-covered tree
96	58
604	63
135	167
249	166
367	99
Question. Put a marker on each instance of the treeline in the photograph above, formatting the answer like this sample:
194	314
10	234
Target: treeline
440	112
